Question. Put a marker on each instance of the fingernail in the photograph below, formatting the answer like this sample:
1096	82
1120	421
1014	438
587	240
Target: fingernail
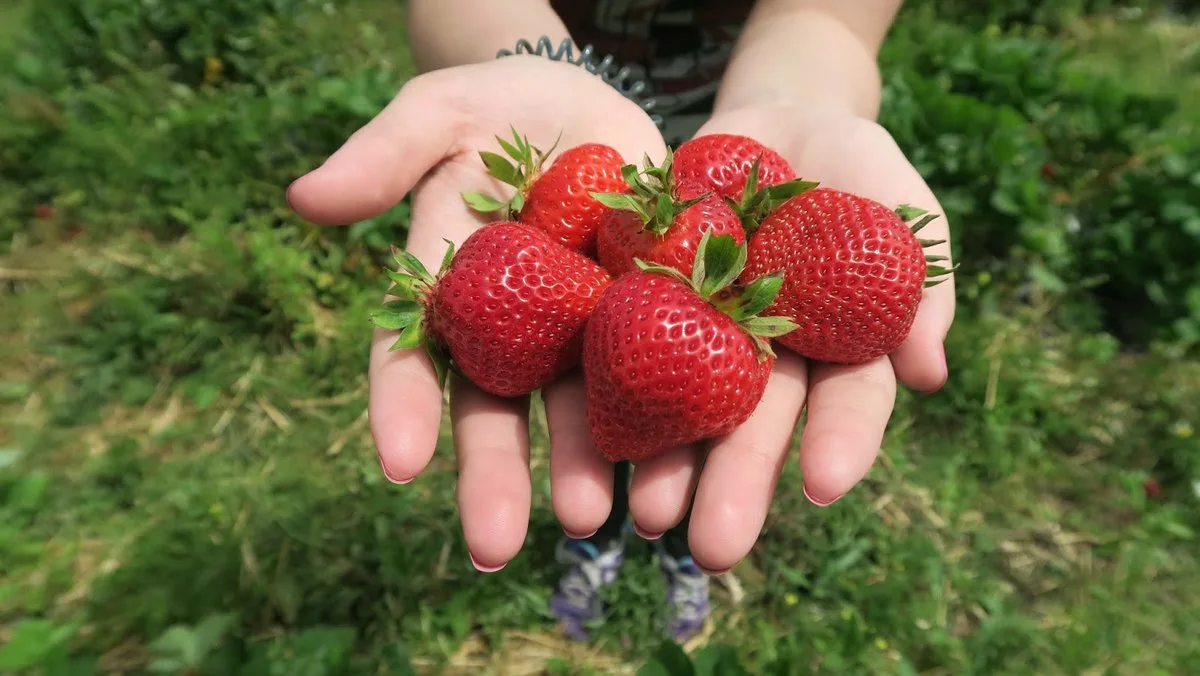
819	502
389	477
645	535
714	573
482	568
579	536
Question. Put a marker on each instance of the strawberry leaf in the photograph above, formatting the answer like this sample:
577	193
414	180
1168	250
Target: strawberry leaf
519	152
786	191
404	286
412	265
722	259
907	212
501	169
447	257
938	271
411	337
441	361
752	179
664	215
483	203
923	222
769	327
633	177
622	200
756	205
661	270
699	268
763	346
758	295
397	314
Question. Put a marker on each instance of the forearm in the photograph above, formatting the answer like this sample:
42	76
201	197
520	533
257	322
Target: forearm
445	33
810	53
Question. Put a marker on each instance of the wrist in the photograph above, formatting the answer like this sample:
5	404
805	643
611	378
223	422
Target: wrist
448	33
806	57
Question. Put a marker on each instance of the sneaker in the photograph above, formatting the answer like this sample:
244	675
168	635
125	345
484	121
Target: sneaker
577	600
687	596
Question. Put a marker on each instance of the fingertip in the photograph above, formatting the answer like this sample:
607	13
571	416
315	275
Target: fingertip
493	490
832	467
404	409
921	367
340	192
581	480
662	488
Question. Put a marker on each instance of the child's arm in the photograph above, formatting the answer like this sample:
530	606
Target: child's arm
445	33
790	49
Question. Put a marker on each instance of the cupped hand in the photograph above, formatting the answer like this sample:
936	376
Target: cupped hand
848	406
426	141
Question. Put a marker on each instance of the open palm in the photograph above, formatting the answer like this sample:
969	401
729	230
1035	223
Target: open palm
426	142
848	406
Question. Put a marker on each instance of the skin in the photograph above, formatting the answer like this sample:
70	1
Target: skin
425	142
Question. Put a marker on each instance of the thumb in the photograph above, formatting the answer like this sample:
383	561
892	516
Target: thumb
381	162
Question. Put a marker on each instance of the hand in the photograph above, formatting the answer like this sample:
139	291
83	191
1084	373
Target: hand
848	406
427	141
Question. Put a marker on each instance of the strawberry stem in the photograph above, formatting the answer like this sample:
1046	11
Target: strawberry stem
651	195
757	202
520	170
719	262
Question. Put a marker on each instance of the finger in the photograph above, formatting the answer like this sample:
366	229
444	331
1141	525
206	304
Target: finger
920	361
741	471
581	480
491	436
661	490
848	411
382	161
404	406
405	401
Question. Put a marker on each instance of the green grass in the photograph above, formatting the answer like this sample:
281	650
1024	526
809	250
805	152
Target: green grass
187	479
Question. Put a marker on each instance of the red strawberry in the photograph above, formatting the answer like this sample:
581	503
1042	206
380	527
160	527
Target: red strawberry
855	273
722	162
659	220
558	198
669	360
1152	488
509	307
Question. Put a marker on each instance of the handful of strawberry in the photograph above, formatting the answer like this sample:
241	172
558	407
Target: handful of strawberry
667	284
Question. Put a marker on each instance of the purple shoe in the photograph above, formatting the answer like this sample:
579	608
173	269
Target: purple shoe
687	596
577	602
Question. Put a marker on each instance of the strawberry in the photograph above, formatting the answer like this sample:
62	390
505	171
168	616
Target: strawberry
660	220
507	311
855	273
670	359
556	199
722	162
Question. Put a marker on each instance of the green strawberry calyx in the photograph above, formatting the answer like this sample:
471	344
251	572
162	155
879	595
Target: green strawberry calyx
651	195
406	308
718	264
935	272
521	169
757	201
